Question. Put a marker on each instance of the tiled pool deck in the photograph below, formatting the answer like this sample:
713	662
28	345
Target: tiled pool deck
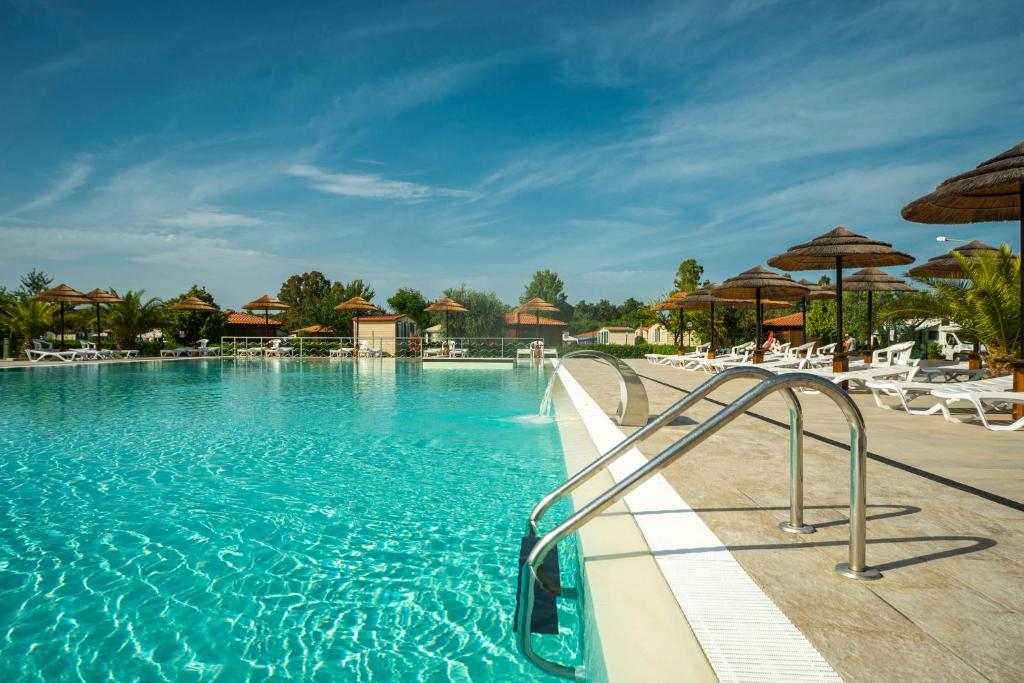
951	604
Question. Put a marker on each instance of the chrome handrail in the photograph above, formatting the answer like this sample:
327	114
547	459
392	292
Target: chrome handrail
796	450
855	568
633	407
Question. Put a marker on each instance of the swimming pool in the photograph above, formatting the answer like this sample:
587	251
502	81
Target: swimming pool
222	520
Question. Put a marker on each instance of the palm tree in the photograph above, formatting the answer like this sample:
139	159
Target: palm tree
984	304
133	317
28	319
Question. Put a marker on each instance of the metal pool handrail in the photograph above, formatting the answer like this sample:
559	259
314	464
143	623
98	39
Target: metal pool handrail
632	410
796	426
855	568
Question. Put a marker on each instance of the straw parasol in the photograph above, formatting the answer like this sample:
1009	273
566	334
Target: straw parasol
62	294
754	284
98	296
704	300
840	248
357	305
193	304
446	305
993	191
266	303
872	280
671	304
536	305
947	266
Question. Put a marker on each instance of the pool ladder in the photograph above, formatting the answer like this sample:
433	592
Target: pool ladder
538	574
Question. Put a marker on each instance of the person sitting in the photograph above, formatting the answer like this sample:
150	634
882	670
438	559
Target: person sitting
849	343
771	342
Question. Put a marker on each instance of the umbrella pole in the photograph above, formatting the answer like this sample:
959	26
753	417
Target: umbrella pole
758	351
61	346
803	318
1018	365
97	326
840	363
711	333
869	347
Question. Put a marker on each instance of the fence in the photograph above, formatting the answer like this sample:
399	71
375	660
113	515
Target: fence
387	347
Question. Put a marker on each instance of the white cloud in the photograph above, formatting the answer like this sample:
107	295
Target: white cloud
74	177
199	219
371	186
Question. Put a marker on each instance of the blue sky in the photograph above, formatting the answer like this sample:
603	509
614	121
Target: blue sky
153	145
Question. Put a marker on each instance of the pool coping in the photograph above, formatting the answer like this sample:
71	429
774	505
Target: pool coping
634	630
739	629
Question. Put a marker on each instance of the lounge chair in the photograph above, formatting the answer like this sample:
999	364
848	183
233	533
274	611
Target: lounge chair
701	351
343	352
951	374
90	350
203	349
175	352
279	347
370	352
42	350
906	392
949	395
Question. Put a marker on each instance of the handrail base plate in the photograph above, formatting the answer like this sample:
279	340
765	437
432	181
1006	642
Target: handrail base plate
804	529
869	573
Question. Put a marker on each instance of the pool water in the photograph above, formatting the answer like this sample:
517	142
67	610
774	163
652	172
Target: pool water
257	520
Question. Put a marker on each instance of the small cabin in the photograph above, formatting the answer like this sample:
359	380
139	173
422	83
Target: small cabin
384	332
520	325
616	334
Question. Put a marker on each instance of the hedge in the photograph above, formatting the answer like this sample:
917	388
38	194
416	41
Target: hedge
620	350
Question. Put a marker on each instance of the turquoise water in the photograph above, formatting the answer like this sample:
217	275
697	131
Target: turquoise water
237	521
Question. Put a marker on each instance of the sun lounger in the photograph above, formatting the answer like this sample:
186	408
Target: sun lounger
981	400
343	352
42	350
179	351
279	347
906	392
945	374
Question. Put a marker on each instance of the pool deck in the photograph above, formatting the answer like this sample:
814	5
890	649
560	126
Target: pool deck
945	527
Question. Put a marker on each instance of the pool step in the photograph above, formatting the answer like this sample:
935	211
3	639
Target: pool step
545	609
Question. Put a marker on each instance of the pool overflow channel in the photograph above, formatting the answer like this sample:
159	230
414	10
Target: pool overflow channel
539	584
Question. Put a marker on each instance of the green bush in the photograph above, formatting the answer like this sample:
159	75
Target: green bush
620	350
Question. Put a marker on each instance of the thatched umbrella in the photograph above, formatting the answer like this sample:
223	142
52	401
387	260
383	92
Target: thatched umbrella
704	300
840	248
872	280
193	304
671	304
815	292
357	305
947	266
754	284
993	191
266	303
446	306
62	294
536	305
98	296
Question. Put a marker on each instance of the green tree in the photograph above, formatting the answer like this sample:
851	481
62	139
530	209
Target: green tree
688	275
486	317
33	282
984	304
304	294
410	302
134	316
548	286
188	326
688	278
27	319
635	313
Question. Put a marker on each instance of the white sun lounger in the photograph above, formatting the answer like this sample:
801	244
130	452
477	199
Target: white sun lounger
906	392
42	350
949	395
